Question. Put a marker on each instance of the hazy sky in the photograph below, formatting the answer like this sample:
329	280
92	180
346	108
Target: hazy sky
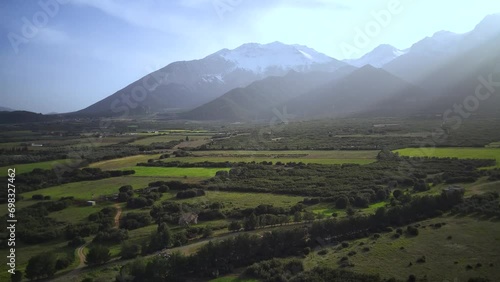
63	55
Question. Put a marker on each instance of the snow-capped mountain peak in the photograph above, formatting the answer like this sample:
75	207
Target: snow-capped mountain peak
378	57
260	58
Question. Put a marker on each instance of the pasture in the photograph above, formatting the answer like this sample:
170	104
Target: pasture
446	258
461	153
316	157
86	189
121	163
176	172
25	168
244	200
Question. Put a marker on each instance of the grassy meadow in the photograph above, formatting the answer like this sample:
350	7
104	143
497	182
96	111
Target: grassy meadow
176	172
446	258
25	168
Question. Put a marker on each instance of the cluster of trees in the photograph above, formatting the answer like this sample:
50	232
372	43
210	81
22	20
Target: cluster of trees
253	221
111	236
486	204
36	227
192	193
292	270
133	220
97	255
361	184
97	222
159	146
45	265
417	209
219	258
275	269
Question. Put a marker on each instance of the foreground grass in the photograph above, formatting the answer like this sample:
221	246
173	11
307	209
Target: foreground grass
461	153
25	252
472	242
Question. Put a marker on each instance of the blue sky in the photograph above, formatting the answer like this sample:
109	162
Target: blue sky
84	50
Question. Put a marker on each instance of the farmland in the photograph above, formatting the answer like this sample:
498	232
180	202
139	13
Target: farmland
283	188
317	157
174	172
23	168
121	163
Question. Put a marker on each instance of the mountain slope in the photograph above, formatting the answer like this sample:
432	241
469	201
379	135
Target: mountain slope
257	100
355	93
427	56
192	83
5	109
378	57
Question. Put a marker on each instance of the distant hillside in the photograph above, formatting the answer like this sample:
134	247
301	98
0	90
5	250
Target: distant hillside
355	93
5	109
257	100
23	117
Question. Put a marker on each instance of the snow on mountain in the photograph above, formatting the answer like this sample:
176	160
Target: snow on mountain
261	58
378	57
441	42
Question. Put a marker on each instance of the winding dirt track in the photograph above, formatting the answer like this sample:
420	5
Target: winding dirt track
79	251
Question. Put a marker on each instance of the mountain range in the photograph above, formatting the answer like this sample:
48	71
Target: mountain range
253	80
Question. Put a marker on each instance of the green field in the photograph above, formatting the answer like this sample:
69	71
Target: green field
386	257
245	200
122	163
461	153
24	168
141	171
84	190
317	157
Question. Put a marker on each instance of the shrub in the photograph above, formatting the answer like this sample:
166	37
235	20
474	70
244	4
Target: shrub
323	252
342	202
63	263
75	242
411	230
130	251
98	255
422	259
37	197
306	251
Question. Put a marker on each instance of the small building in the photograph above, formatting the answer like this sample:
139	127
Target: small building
188	218
91	203
454	189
